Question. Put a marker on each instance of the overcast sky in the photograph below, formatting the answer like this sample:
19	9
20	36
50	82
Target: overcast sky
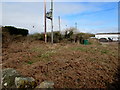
91	17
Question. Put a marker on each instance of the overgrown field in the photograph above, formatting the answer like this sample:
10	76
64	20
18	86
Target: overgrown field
67	65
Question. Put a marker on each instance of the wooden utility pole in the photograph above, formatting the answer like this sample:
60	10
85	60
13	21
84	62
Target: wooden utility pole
59	23
45	21
52	22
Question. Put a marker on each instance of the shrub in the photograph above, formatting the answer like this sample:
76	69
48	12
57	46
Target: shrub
57	37
38	36
16	31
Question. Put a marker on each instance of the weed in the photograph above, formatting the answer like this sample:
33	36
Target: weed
30	62
46	55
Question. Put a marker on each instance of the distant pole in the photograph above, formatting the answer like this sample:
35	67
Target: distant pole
76	25
59	23
45	20
52	22
66	26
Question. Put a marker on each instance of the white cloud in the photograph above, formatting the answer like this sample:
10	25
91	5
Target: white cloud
27	15
100	30
111	30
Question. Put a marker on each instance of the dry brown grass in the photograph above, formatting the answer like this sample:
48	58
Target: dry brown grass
68	65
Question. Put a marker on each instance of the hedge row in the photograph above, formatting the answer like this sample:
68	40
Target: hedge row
16	31
69	36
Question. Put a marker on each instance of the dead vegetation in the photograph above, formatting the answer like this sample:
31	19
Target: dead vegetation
68	65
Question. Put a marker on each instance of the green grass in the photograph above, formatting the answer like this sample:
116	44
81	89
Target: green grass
79	49
38	49
47	54
92	50
44	56
92	59
104	51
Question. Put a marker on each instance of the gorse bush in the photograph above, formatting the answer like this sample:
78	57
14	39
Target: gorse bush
38	36
16	31
72	35
41	36
12	34
57	37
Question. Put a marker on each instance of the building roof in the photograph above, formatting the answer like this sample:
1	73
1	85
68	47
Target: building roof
106	33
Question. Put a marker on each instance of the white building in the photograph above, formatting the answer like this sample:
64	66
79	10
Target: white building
113	36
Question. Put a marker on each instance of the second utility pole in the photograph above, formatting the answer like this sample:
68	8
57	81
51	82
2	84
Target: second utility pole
52	22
